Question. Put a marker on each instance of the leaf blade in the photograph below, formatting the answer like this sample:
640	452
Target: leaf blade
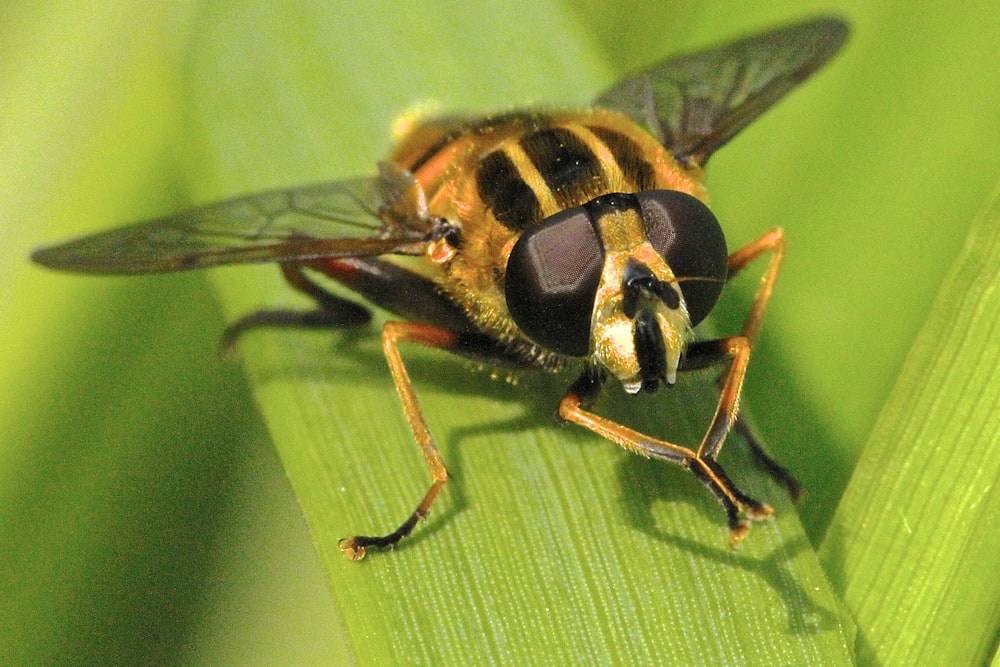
913	542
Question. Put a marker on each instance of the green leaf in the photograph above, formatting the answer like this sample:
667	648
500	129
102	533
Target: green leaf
144	518
139	495
914	541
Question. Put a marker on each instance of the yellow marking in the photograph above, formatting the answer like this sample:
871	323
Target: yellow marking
416	114
613	174
530	175
623	236
621	230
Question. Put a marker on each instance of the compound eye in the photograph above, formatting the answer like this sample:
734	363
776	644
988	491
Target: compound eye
551	281
688	236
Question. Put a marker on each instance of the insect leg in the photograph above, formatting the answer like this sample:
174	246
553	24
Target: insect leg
393	333
702	354
409	295
418	299
574	407
333	311
735	350
763	458
773	242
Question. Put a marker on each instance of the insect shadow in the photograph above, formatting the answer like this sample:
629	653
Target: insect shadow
645	484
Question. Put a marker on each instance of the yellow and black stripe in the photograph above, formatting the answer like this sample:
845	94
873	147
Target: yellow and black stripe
554	163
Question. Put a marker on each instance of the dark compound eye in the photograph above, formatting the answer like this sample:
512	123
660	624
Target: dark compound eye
551	281
554	268
689	237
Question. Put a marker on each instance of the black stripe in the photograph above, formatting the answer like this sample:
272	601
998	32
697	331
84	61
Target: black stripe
504	192
612	203
629	157
567	165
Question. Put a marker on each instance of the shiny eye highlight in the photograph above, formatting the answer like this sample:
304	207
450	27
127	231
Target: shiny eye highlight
688	236
551	281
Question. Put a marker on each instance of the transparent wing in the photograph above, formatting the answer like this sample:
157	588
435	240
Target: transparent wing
353	218
697	102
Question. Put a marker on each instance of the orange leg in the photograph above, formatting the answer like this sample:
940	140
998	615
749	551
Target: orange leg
773	242
393	333
701	463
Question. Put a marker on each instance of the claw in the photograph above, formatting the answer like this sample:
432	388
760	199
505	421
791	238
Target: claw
759	513
351	548
738	532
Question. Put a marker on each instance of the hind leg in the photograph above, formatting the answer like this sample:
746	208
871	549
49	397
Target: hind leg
332	312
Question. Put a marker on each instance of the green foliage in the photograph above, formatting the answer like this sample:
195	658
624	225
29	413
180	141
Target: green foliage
144	519
913	543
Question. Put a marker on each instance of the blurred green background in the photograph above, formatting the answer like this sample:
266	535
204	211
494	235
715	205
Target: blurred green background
145	517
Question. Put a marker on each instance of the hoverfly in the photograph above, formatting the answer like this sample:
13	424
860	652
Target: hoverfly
544	240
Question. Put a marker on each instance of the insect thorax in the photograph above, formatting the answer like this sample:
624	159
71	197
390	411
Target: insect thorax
498	176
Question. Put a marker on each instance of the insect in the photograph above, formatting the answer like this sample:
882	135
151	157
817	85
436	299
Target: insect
542	240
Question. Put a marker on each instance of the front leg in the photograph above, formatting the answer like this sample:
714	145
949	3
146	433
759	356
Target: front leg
771	242
575	407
